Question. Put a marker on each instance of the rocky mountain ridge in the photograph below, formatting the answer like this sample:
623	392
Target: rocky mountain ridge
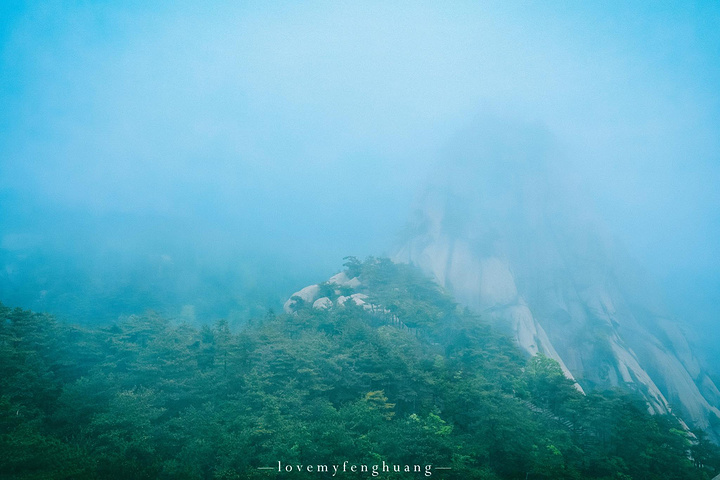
664	378
505	240
494	230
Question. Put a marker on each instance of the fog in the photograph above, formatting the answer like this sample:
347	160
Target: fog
211	160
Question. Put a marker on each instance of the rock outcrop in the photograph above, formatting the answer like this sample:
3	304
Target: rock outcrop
339	287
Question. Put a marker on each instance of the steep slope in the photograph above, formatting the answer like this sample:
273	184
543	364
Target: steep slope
383	375
493	230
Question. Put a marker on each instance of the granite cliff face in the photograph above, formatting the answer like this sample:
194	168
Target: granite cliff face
492	230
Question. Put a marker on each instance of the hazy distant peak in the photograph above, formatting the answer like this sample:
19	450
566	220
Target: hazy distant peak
496	227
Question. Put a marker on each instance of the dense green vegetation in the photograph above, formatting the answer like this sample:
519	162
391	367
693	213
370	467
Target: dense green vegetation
149	398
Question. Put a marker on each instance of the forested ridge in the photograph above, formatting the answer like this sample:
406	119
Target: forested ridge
418	380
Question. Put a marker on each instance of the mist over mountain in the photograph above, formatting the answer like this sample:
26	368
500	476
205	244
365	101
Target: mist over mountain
133	131
515	246
555	168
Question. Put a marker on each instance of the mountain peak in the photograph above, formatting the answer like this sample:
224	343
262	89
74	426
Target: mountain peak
507	242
